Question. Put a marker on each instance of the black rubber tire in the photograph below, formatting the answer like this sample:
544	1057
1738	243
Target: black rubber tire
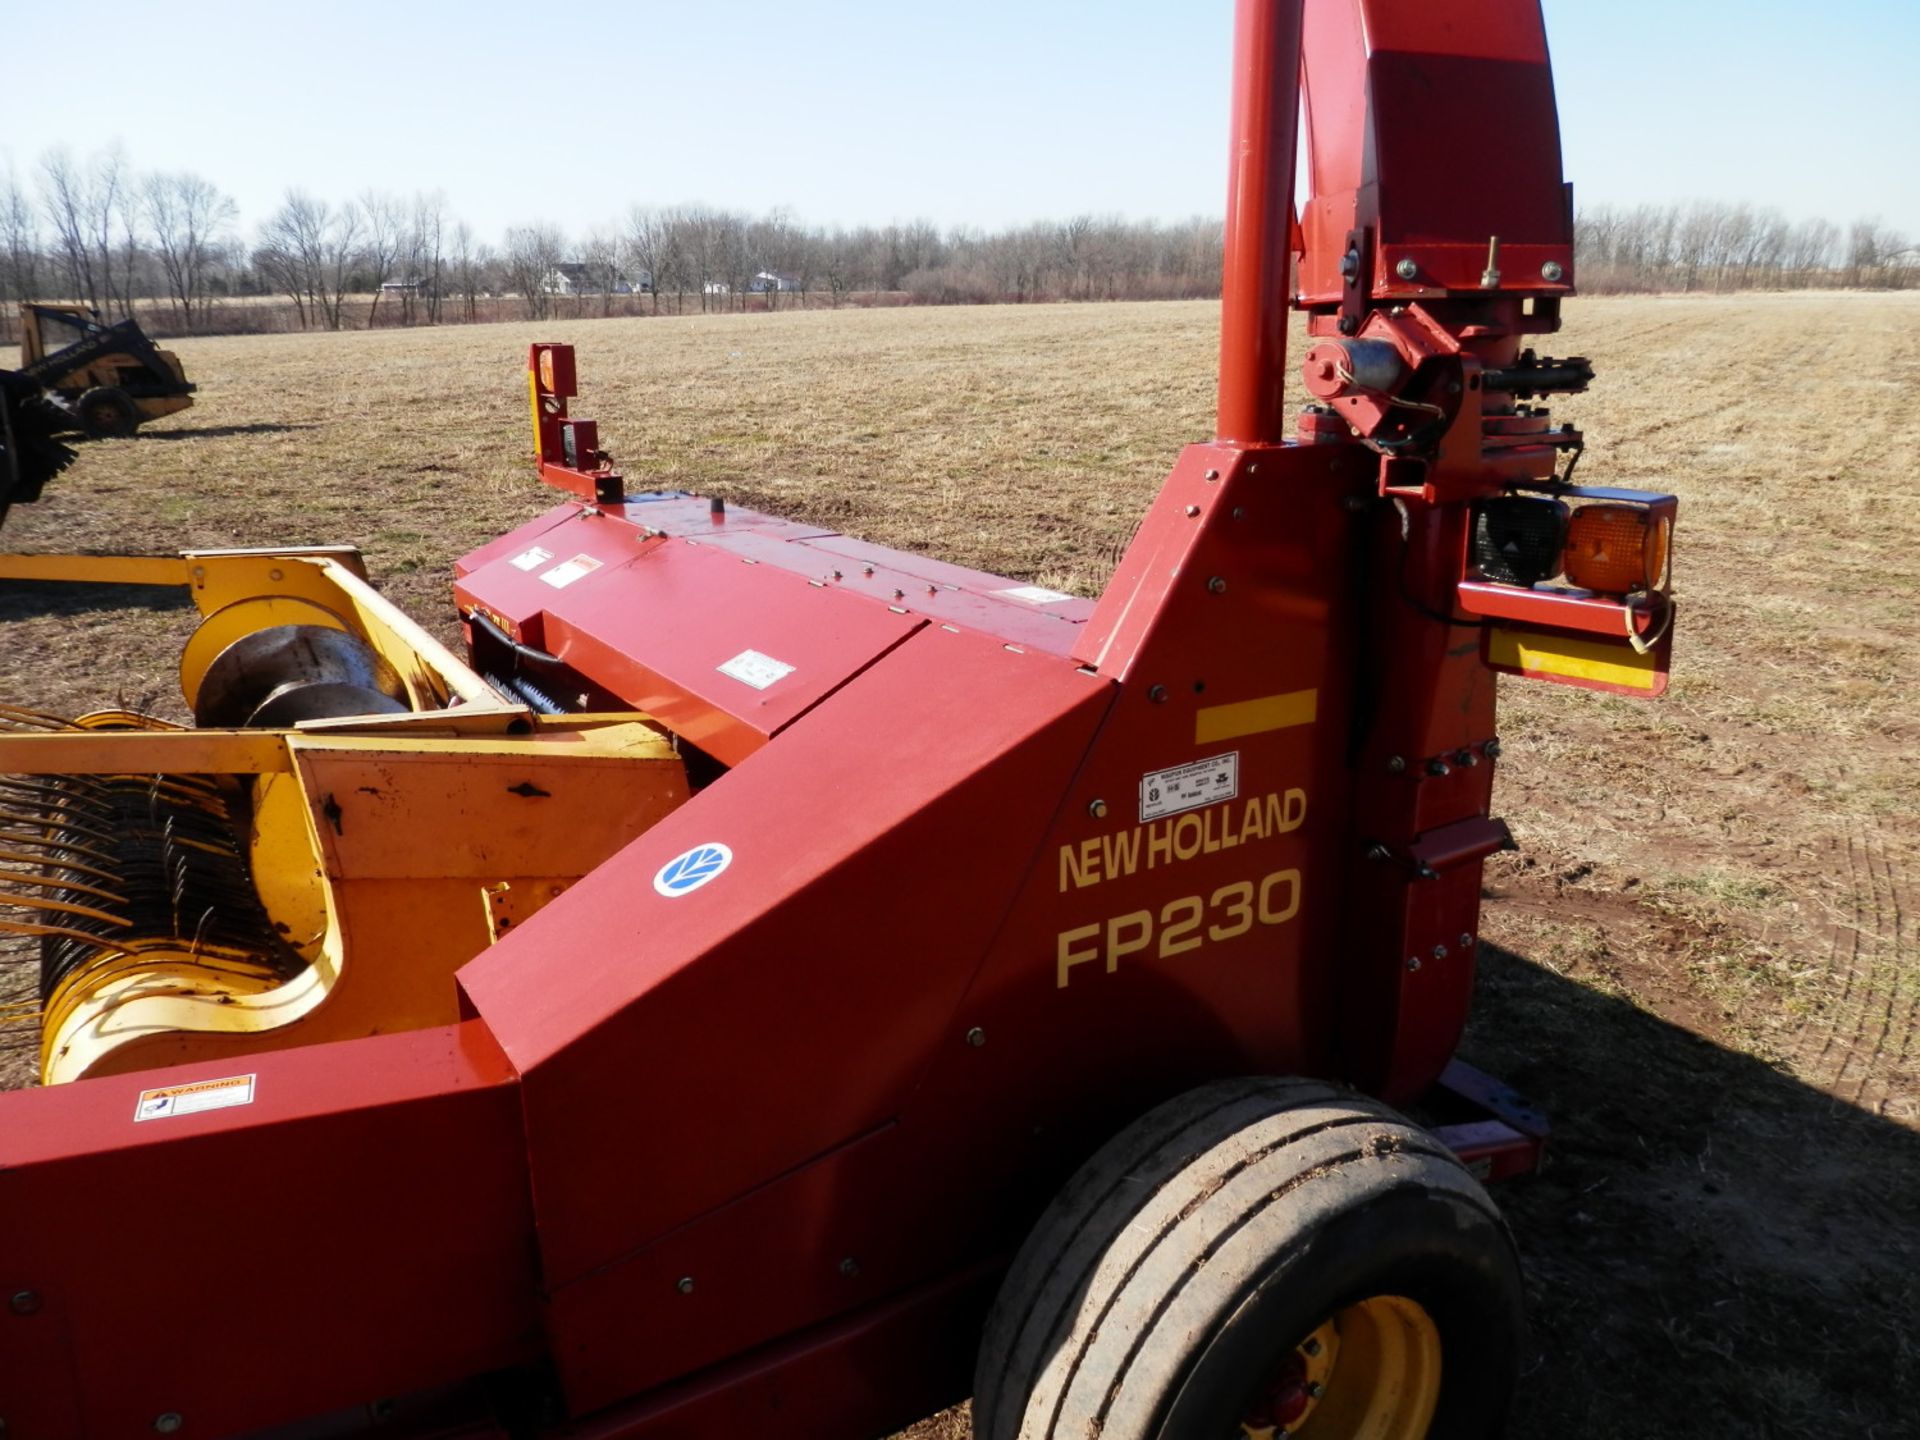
106	413
1213	1235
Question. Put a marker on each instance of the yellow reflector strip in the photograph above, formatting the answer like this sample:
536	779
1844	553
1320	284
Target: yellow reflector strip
1255	717
1563	655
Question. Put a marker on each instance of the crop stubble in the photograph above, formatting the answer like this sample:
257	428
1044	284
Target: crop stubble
1703	957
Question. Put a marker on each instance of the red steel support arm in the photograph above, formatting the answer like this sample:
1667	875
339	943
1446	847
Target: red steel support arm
1254	294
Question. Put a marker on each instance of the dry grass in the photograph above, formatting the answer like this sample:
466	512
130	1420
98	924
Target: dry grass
1719	989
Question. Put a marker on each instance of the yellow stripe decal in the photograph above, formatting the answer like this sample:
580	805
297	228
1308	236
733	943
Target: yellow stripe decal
1596	660
1255	717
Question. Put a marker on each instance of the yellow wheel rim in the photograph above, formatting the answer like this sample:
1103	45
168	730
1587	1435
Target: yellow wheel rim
1372	1372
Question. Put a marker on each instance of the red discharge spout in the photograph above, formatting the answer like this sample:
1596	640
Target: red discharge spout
1254	298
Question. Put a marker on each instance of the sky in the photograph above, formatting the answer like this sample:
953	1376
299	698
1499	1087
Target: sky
985	114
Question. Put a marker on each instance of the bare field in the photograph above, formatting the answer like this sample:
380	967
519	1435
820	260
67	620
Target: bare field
1703	959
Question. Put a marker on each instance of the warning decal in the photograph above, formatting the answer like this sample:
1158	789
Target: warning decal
750	667
1189	786
568	571
531	559
1034	594
170	1100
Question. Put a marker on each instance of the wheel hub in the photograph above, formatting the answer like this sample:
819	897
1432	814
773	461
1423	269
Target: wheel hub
1371	1372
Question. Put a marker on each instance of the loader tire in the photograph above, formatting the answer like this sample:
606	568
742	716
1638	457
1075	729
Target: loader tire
1238	1247
106	413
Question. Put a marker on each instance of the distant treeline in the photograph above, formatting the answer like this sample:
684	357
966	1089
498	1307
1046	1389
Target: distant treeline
1706	246
169	247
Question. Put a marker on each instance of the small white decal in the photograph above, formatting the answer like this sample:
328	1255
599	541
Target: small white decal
1189	786
170	1100
750	667
1034	594
688	871
568	571
532	559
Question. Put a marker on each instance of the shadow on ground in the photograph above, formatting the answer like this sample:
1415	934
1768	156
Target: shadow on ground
1714	1248
210	432
59	599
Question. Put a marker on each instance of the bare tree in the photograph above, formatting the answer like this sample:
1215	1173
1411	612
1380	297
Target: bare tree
533	253
19	249
64	196
469	261
309	249
653	247
383	231
600	257
187	218
425	257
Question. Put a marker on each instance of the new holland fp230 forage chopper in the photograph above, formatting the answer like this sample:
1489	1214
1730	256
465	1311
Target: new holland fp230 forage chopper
684	1014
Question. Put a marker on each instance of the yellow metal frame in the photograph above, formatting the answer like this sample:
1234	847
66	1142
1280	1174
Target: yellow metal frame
388	850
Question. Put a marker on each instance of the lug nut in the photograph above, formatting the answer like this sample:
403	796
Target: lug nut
1551	271
1466	941
1439	952
1491	749
1413	962
1097	809
1406	269
1436	766
1466	759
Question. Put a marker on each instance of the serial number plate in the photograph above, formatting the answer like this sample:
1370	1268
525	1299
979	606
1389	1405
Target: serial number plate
1189	786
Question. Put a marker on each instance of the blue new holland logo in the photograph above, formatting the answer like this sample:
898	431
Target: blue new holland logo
686	873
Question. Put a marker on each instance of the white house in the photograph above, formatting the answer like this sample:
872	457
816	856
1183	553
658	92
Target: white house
572	277
772	280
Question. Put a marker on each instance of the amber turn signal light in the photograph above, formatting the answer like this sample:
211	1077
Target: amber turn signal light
1616	549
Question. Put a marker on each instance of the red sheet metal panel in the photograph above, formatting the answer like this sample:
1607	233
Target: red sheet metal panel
871	1374
514	541
1156	561
723	652
568	552
694	517
787	1005
508	577
356	1229
1017	612
1392	86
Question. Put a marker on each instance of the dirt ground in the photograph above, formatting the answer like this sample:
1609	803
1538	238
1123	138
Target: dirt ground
1703	960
